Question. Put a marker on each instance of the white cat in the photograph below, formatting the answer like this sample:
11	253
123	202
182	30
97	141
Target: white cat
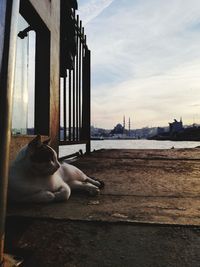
37	176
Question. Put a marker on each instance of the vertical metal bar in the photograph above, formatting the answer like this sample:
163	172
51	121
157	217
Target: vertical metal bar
70	104
61	107
80	76
88	144
73	94
73	104
84	45
82	85
86	99
64	108
6	92
77	76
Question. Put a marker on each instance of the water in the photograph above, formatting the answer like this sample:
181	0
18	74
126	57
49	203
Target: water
129	144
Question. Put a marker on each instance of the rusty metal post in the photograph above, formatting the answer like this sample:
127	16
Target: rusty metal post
88	144
86	100
8	50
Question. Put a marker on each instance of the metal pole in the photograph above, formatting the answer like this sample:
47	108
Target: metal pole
74	94
77	82
6	92
73	101
64	107
86	100
88	144
70	105
80	77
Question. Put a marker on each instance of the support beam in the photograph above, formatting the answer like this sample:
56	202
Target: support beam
86	100
8	32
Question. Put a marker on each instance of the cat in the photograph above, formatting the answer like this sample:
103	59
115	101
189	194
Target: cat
37	176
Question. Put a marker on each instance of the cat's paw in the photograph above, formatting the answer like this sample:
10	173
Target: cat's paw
93	191
99	183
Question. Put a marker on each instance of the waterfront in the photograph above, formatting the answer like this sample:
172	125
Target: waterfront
127	144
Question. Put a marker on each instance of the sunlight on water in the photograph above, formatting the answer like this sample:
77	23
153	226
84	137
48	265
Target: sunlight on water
127	144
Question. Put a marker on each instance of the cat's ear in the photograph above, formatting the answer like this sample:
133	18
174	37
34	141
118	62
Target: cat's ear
36	142
46	142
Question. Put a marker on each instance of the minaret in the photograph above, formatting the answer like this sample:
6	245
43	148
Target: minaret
181	122
124	124
129	126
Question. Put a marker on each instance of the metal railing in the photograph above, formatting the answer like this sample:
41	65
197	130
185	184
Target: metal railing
75	86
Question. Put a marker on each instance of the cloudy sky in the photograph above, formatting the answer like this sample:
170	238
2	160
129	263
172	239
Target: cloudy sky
145	60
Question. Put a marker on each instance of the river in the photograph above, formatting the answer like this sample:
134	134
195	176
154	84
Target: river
130	144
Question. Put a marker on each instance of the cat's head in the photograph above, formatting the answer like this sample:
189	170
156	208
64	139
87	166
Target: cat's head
42	158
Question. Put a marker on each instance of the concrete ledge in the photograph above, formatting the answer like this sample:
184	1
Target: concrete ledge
147	215
144	190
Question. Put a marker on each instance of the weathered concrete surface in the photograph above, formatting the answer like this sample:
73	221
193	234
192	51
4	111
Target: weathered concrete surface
138	220
137	189
58	243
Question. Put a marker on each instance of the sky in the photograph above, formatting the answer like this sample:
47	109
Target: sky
145	60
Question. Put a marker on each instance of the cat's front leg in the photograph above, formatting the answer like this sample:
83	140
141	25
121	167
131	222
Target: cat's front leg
85	186
63	193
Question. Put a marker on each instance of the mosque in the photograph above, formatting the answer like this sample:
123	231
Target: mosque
120	130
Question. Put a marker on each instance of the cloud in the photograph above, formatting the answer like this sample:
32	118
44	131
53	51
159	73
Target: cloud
145	61
151	101
89	10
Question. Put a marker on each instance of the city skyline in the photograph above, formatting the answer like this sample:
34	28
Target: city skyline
128	123
145	60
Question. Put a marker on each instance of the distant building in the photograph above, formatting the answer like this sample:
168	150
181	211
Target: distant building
99	132
160	130
176	126
118	130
